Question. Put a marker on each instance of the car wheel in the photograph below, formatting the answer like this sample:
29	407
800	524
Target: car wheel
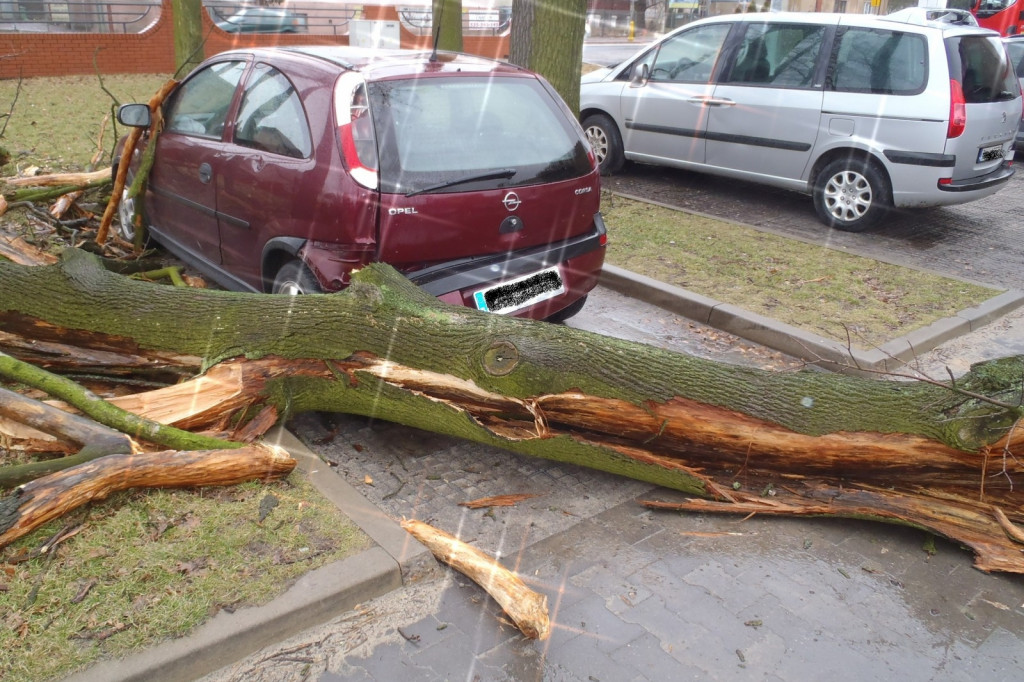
294	278
568	311
126	213
851	195
606	142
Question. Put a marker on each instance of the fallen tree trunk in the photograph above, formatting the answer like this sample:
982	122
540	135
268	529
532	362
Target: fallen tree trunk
948	453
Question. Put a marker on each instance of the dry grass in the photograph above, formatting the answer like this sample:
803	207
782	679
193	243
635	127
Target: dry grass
148	566
812	287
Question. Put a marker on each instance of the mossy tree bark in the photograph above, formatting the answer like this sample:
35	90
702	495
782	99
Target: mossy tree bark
547	37
931	455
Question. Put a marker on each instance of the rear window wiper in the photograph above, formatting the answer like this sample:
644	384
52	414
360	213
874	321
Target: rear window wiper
490	175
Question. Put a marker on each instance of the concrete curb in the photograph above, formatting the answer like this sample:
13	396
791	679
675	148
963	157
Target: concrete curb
801	344
395	559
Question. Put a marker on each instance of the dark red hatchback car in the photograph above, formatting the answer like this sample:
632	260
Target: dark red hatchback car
283	169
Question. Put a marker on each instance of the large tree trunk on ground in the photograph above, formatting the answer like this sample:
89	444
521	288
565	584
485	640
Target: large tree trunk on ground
926	454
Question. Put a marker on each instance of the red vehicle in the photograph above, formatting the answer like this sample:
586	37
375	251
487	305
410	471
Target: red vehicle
281	170
999	15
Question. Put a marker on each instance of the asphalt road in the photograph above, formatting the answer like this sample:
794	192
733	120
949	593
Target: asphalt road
982	241
610	53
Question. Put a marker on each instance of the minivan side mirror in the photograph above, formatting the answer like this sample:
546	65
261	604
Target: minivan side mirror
135	115
641	76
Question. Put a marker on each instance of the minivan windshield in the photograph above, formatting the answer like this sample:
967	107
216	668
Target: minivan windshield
470	133
986	74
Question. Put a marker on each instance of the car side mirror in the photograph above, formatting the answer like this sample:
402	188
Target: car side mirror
135	115
641	76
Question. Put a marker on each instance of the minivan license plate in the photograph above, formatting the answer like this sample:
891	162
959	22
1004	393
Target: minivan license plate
510	296
990	153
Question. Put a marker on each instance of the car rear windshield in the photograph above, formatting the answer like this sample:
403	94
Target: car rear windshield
984	71
472	133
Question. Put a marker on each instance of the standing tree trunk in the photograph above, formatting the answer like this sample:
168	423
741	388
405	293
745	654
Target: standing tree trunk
447	23
188	35
547	37
947	457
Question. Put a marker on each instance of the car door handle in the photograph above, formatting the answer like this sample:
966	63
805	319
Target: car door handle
711	102
205	173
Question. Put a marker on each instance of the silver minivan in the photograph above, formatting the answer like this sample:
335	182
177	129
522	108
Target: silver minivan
864	113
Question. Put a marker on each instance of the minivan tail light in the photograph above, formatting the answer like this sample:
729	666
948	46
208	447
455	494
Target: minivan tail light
957	109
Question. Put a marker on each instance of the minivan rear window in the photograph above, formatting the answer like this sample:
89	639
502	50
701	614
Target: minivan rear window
982	67
878	61
506	131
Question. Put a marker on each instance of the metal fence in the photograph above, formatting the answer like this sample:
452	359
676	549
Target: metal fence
135	16
477	22
78	16
318	18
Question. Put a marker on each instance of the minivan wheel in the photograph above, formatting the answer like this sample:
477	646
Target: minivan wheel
851	195
606	142
294	278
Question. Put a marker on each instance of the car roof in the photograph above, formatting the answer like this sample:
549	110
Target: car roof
376	63
832	18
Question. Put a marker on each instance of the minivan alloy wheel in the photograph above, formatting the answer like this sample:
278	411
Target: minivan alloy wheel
848	195
598	141
604	139
851	195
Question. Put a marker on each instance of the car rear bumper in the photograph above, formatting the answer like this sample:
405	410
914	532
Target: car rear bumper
469	273
989	181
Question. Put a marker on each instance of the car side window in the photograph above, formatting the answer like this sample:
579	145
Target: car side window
271	118
200	105
878	61
782	55
690	56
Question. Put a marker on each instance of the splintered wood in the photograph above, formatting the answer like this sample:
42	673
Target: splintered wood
527	609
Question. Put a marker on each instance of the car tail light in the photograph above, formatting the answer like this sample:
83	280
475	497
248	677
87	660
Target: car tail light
355	134
957	110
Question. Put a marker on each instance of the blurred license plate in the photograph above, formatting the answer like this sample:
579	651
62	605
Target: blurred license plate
990	153
510	296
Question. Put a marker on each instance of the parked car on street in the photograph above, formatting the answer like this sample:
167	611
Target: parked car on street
864	113
283	169
1015	48
263	20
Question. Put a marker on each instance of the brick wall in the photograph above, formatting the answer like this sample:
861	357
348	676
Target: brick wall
152	51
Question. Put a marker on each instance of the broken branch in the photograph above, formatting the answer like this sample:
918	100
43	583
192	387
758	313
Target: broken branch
527	609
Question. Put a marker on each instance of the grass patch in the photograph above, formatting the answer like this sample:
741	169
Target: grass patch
56	122
148	566
808	286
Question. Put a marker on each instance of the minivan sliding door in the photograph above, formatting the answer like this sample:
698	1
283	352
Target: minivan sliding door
767	106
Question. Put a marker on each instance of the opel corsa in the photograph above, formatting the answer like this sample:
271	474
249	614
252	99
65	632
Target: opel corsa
864	113
284	169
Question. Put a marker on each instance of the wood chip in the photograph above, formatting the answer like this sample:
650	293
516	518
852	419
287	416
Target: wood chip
496	501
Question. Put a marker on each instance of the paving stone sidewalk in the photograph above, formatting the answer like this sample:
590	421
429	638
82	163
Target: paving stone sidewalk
639	595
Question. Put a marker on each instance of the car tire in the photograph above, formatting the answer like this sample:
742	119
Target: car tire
294	278
605	140
126	213
851	194
568	311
